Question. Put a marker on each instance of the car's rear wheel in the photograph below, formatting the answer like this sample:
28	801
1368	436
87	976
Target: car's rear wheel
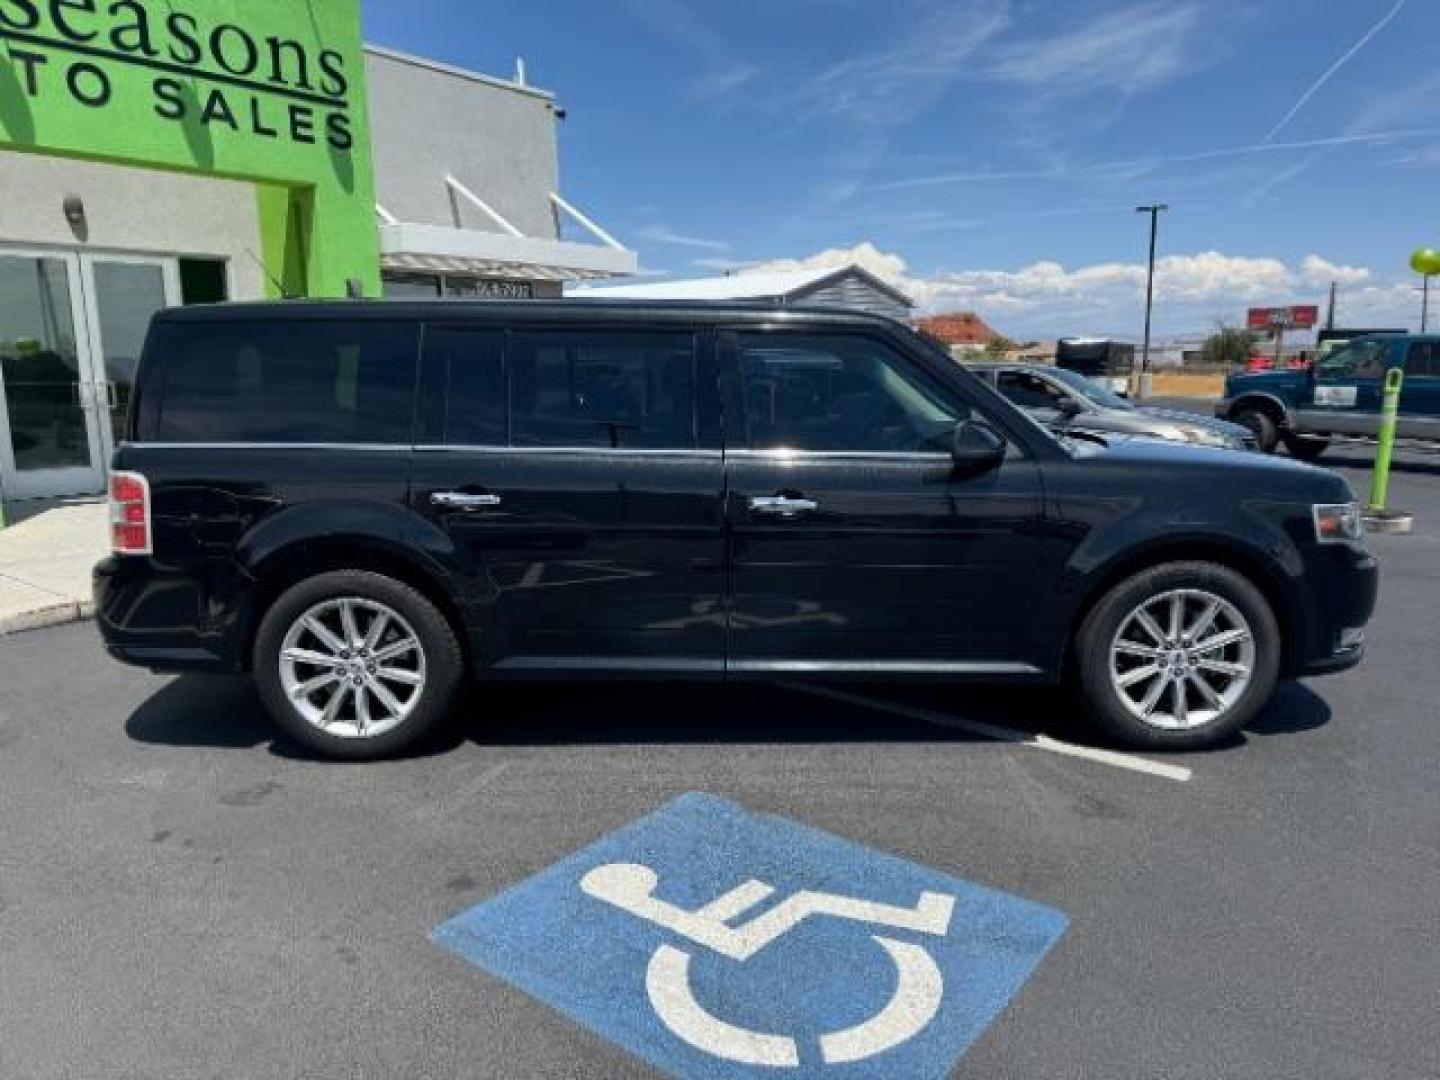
1307	447
1178	657
1262	425
356	665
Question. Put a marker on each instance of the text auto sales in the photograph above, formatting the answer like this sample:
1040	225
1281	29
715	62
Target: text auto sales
244	71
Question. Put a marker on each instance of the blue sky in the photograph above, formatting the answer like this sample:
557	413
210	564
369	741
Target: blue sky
989	153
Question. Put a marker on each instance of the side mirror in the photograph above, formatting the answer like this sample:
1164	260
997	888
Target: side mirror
976	447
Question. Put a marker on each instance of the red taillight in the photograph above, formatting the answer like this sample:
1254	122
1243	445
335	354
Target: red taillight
130	514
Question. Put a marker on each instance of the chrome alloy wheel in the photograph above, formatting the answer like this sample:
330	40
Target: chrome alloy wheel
1182	659
353	668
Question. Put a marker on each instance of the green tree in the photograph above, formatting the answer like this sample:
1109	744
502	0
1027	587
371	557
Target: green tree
997	347
1228	347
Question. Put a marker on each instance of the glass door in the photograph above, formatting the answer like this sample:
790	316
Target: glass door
122	293
50	442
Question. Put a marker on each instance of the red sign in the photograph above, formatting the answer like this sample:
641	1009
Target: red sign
1304	317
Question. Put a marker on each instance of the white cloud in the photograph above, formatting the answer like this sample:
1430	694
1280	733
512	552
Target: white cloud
1192	291
1334	69
1318	271
685	26
663	234
724	81
894	84
1129	167
722	265
887	267
1130	50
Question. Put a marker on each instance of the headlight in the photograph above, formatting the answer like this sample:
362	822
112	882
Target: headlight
1201	436
1339	523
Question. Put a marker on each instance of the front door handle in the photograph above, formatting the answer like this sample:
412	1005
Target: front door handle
782	505
463	500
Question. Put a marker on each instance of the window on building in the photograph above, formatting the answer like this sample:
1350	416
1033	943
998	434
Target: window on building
204	281
280	381
410	286
603	388
846	394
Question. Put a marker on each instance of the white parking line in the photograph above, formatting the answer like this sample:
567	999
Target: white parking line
1002	734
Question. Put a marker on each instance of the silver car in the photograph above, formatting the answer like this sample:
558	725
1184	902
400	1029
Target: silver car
1070	404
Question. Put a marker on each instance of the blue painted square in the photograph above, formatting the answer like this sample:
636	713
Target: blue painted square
764	983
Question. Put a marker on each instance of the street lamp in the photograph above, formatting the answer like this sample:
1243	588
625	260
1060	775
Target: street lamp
1426	263
1154	210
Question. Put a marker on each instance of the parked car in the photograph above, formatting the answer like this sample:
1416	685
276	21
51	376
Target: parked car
1068	403
362	503
1340	395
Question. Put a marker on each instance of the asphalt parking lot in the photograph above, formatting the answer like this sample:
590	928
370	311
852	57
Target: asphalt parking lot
181	895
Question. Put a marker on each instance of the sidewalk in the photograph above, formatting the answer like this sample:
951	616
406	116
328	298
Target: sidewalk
45	563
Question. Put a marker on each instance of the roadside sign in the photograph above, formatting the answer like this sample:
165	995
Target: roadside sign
1302	317
715	942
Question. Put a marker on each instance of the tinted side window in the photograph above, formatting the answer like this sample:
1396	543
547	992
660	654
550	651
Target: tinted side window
603	388
1424	359
470	368
288	381
1029	391
840	393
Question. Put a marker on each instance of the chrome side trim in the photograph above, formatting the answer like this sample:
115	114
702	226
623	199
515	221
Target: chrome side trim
565	451
891	667
792	456
777	456
389	448
653	664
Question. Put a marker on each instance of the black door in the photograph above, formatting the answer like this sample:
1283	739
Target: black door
855	544
583	522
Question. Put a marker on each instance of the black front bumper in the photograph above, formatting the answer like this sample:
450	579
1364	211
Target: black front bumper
1343	585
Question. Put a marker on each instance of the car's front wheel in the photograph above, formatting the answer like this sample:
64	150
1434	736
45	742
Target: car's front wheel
1262	425
356	665
1178	657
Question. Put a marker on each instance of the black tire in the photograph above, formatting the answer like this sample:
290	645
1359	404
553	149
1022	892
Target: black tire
1307	447
1262	425
443	662
1103	701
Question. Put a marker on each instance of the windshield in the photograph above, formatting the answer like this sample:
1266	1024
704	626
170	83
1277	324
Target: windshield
1091	391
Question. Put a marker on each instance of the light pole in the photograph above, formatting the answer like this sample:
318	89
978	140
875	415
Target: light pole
1154	210
1426	263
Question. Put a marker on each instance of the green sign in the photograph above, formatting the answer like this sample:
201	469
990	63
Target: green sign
269	91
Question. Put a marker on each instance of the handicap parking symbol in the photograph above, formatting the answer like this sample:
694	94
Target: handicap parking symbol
716	942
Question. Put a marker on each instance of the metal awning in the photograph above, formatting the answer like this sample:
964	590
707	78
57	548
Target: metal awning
508	253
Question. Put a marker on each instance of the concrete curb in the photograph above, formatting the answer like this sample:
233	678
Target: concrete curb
59	614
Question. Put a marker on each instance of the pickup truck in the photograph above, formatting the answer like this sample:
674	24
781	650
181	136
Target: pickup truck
1339	397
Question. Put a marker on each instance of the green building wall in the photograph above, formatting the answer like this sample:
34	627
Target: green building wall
267	91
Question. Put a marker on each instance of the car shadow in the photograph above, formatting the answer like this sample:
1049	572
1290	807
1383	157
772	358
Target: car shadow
225	712
217	711
560	713
1293	709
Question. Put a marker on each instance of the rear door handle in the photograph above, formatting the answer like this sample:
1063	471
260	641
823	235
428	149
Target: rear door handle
463	500
782	505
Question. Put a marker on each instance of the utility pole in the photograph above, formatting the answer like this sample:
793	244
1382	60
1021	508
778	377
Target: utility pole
1330	317
1154	210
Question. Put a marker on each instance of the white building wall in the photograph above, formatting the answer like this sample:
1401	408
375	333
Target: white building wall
140	211
428	121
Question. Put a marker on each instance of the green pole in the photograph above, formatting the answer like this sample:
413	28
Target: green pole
1389	412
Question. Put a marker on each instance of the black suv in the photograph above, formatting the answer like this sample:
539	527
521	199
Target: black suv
362	502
